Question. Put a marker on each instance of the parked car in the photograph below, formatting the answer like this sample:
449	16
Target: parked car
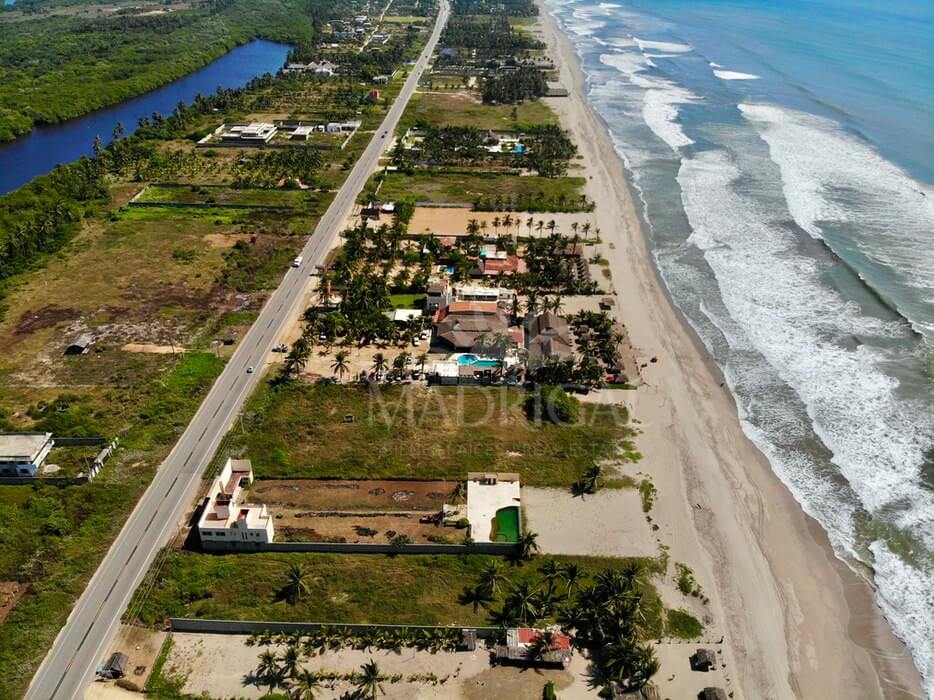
416	342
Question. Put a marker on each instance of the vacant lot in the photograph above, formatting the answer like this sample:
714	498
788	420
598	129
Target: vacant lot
302	431
202	194
466	108
337	494
558	193
406	589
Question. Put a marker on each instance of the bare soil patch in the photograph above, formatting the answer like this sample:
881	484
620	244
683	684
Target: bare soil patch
10	593
335	495
45	317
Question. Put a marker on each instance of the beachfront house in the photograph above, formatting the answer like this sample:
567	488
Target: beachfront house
548	337
527	646
227	522
461	323
22	454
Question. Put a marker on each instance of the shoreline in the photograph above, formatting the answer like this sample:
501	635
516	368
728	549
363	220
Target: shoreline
797	620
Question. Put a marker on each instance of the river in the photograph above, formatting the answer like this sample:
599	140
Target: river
47	146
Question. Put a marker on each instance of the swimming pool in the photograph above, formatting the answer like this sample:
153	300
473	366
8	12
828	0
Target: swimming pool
506	525
474	361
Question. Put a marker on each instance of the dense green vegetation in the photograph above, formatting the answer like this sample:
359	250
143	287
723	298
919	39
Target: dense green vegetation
69	65
513	8
54	537
488	36
511	87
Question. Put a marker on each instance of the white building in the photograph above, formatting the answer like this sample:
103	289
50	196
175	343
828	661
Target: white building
253	132
476	292
227	522
22	454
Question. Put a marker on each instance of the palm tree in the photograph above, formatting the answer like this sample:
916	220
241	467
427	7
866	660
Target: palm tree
586	230
269	670
528	545
540	646
291	659
304	685
523	603
369	682
296	583
379	362
340	365
590	478
572	573
528	223
422	361
539	226
490	577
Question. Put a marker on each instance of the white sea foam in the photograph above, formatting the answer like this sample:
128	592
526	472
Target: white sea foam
667	46
715	65
583	23
659	101
907	599
831	177
777	298
734	75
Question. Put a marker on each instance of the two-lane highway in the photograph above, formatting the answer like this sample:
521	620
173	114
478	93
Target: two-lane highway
80	645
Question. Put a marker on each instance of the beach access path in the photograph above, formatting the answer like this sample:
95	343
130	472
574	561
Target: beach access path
69	666
797	621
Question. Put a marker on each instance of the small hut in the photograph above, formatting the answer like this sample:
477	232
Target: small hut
704	660
712	694
116	666
79	346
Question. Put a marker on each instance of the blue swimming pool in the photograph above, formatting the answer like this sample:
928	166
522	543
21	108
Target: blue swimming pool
474	361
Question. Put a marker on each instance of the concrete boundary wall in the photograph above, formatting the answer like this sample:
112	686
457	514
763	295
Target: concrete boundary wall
187	624
233	547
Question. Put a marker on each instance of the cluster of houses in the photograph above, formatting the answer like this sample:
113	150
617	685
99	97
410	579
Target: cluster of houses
495	143
325	69
260	133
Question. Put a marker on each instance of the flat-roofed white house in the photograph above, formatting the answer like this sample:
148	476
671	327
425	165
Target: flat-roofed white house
227	521
22	454
254	131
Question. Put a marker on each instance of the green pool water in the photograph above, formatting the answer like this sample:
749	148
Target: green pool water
506	525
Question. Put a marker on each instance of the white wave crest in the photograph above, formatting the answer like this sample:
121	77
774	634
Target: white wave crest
734	75
831	177
667	46
776	296
659	101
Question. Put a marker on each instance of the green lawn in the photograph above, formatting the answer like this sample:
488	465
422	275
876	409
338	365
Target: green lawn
298	431
560	193
461	108
350	588
407	301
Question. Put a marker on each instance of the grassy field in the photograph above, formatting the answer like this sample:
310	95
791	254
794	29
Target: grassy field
298	431
463	108
54	537
409	589
468	188
199	194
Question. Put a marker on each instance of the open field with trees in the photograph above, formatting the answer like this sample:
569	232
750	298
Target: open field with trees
299	430
71	65
172	280
484	191
461	108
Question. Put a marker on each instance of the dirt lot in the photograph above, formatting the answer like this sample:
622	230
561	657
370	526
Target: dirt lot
10	593
453	222
355	511
221	666
332	494
142	646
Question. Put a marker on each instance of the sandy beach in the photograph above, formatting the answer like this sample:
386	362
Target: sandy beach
797	622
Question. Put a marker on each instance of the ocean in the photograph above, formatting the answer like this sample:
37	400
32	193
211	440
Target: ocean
783	154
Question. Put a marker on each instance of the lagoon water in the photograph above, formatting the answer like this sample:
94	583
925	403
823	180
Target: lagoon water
784	157
47	146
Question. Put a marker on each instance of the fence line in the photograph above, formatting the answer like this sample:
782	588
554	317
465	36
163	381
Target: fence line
187	624
492	548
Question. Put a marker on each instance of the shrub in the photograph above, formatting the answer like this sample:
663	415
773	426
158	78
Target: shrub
682	624
548	693
553	404
127	684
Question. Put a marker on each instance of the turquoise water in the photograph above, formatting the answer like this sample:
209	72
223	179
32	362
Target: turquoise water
475	361
783	155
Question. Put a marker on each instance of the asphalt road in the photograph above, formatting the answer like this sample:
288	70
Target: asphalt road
70	664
